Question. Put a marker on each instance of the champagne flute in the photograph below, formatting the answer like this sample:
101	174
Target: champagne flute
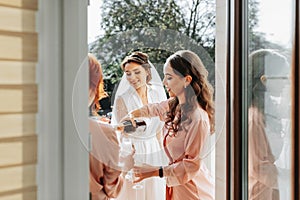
139	185
126	142
126	149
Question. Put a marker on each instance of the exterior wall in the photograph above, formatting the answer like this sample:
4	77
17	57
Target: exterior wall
19	97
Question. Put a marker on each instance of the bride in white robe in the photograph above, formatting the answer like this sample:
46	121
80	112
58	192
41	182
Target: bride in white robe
141	85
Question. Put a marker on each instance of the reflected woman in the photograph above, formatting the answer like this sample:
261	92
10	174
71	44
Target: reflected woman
139	86
267	69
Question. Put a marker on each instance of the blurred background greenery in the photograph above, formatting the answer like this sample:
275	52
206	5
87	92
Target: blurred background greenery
159	28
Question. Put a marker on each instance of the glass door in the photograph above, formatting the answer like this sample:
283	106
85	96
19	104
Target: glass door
269	99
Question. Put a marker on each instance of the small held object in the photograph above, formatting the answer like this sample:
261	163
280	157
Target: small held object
128	127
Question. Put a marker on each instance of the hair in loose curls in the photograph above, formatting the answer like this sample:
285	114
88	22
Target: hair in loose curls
139	58
96	83
200	91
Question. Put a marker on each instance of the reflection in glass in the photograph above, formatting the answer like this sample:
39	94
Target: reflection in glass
261	166
269	99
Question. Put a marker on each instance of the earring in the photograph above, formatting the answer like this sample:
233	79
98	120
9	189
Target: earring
263	79
184	86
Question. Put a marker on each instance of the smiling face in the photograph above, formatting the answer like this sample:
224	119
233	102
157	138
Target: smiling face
136	75
173	82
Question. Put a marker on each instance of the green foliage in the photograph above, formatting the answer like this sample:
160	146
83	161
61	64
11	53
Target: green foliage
123	15
159	28
127	26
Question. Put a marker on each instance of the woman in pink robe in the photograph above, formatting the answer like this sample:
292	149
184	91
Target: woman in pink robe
262	171
261	168
105	175
189	119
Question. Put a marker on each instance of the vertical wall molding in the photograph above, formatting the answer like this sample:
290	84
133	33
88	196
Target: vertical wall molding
50	115
75	50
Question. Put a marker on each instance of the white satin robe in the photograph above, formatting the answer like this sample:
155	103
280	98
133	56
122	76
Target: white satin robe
148	145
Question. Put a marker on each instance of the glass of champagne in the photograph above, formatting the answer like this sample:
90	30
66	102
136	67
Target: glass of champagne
126	146
139	185
126	149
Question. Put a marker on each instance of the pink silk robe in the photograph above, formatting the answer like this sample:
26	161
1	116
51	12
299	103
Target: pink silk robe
261	168
187	175
105	179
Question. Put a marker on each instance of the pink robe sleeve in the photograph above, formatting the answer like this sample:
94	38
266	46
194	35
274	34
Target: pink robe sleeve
105	182
155	109
261	160
105	179
186	169
112	182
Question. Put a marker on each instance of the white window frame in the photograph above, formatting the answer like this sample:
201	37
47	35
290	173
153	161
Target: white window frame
63	167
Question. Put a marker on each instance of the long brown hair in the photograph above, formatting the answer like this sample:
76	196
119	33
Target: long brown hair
260	69
185	63
96	83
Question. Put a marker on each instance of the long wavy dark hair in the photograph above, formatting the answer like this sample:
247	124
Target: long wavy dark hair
259	66
199	92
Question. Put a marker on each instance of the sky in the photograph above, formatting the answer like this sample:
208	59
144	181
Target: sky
274	20
94	20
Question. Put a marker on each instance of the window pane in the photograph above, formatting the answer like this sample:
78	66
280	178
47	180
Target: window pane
159	28
269	141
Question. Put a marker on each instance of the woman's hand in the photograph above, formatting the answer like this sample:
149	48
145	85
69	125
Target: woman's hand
131	116
144	171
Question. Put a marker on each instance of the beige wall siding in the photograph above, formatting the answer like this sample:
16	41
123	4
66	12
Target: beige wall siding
23	125
18	98
18	95
24	4
18	72
18	46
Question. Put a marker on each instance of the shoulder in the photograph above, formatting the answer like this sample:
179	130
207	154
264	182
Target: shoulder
255	116
200	123
103	132
200	117
124	96
153	88
127	94
200	114
157	91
